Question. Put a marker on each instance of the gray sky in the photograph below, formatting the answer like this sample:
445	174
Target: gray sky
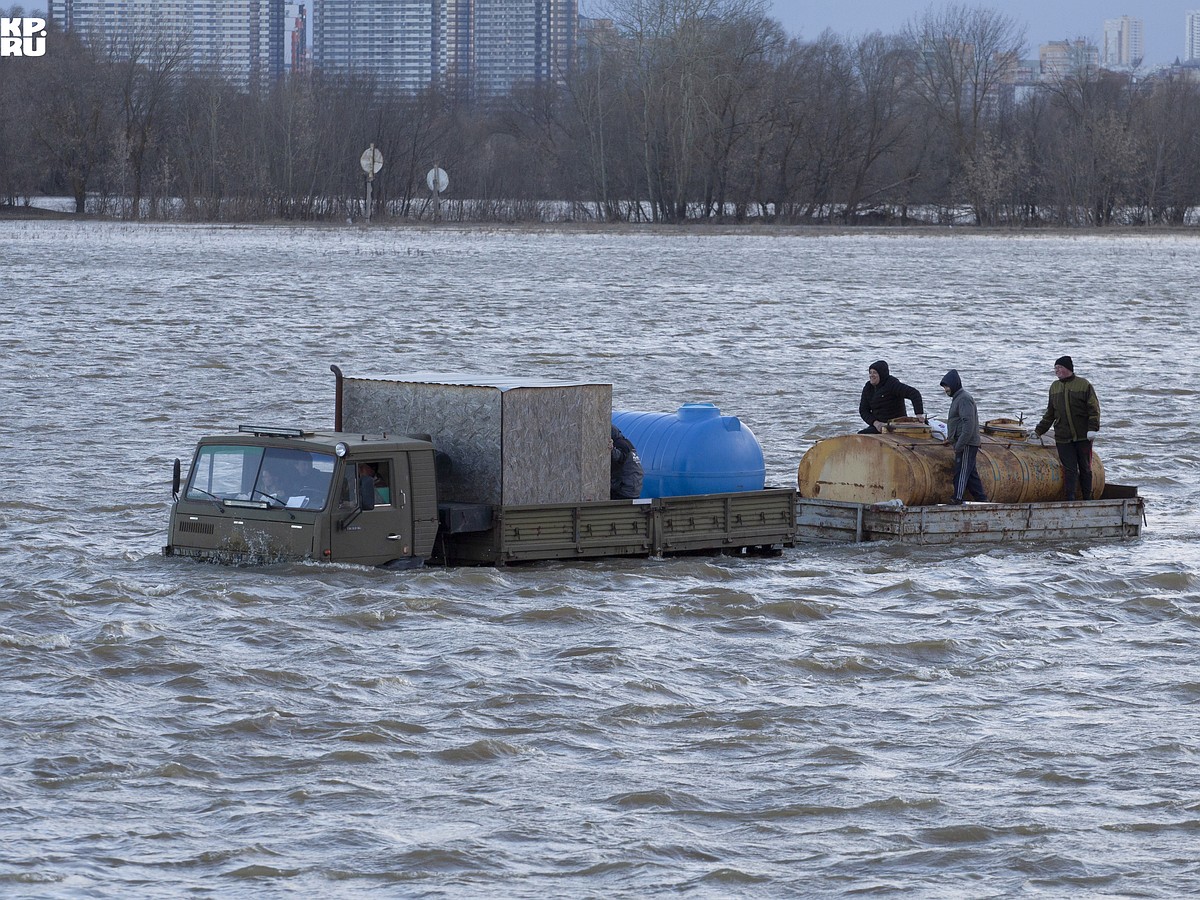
1045	20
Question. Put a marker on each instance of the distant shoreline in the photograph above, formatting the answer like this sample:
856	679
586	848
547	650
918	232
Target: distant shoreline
10	213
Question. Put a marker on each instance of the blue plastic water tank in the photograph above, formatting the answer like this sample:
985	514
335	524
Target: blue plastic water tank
694	451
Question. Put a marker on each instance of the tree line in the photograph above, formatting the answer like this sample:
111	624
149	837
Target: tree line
682	110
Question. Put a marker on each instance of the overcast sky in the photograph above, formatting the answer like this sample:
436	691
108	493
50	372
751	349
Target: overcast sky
1045	20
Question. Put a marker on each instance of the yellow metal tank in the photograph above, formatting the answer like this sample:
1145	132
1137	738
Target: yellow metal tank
910	463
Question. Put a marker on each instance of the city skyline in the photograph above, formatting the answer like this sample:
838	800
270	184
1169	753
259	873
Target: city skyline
243	39
1165	20
489	45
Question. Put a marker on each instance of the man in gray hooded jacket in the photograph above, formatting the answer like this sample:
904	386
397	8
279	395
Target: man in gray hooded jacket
962	431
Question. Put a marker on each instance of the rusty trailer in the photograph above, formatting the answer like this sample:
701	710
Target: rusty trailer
1118	515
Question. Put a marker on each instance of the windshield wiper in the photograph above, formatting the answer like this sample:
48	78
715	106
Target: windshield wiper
271	497
215	499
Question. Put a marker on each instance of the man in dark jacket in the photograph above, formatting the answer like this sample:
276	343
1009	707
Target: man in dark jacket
1074	411
883	398
962	431
626	478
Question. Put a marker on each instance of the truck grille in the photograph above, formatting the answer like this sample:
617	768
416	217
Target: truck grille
196	527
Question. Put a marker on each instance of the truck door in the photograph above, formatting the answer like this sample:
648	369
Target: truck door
379	535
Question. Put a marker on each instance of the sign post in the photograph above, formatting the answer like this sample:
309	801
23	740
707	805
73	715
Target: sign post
371	162
438	181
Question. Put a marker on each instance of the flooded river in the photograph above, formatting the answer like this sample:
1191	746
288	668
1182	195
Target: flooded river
876	719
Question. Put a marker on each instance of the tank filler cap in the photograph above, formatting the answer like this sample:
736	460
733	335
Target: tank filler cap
698	412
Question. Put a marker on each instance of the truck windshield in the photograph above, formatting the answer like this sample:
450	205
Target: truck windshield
273	475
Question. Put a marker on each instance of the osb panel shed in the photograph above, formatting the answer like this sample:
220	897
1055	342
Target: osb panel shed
511	441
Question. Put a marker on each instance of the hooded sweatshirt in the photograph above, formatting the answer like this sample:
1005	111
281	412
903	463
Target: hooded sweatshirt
962	423
626	475
885	402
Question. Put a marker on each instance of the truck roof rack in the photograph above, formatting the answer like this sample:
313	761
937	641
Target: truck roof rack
269	431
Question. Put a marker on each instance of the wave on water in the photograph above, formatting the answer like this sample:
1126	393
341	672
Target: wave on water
838	720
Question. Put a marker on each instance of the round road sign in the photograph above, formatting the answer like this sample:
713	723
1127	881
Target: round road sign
438	180
371	161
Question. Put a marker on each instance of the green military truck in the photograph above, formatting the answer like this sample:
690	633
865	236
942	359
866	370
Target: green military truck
453	470
264	494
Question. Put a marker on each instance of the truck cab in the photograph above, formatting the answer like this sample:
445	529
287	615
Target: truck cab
266	494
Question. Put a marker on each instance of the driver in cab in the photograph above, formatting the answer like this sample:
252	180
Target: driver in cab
286	480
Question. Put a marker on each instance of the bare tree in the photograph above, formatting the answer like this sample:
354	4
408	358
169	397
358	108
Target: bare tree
962	57
880	77
1094	148
75	131
19	108
828	138
593	95
734	102
668	52
1166	123
418	133
145	64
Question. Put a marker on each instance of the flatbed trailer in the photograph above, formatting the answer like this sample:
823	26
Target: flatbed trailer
1118	515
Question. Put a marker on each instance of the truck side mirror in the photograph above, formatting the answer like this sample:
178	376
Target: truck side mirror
366	492
175	479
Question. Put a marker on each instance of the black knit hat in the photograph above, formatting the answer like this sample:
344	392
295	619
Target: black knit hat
881	367
1065	362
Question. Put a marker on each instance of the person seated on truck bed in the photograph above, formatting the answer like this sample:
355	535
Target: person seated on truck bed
625	482
883	398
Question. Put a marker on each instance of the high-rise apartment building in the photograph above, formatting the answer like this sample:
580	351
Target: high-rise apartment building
522	41
296	38
1191	51
485	46
1068	59
1124	42
240	39
404	44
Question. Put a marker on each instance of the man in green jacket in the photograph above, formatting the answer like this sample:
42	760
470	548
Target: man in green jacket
1074	411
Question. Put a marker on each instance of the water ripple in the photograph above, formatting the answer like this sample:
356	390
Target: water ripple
841	720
